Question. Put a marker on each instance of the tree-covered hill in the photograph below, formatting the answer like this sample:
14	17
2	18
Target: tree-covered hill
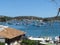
28	17
51	18
7	18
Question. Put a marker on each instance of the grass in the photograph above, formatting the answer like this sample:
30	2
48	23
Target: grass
50	44
2	43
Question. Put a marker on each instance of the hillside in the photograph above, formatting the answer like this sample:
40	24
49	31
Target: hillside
7	18
52	18
28	17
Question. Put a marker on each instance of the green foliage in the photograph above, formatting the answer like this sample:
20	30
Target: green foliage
2	43
27	17
45	20
5	18
30	42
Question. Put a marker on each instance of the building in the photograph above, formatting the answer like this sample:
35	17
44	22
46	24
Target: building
10	36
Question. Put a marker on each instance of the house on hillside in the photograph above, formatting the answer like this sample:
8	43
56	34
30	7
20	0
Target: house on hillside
11	36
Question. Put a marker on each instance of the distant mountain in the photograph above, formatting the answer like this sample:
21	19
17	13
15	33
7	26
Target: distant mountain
28	17
7	18
52	18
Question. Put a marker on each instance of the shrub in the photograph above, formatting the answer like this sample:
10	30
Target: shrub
30	42
2	43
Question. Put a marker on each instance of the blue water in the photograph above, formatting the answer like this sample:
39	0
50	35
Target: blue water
48	29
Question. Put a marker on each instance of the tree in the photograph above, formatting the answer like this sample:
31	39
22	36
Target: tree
2	43
30	42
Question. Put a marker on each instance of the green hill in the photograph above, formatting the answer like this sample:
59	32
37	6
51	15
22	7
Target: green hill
7	18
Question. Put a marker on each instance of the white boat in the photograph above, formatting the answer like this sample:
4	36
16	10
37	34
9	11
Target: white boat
32	38
42	40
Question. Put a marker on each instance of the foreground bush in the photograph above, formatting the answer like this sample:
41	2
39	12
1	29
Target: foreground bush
2	43
30	42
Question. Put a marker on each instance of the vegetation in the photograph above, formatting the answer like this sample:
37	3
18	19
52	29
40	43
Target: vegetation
52	18
30	42
6	18
2	43
27	17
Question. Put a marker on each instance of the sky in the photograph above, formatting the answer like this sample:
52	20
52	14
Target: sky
39	8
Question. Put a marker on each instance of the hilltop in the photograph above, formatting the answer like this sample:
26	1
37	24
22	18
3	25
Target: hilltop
7	18
28	17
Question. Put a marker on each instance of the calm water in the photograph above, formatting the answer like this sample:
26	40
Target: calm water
48	29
